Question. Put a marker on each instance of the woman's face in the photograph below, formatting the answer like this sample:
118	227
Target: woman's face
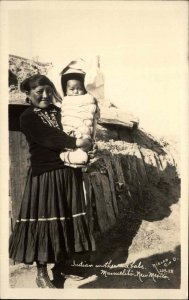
41	96
74	88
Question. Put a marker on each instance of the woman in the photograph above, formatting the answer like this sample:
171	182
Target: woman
52	220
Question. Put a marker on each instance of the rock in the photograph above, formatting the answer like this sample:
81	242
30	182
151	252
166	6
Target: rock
142	173
19	69
110	114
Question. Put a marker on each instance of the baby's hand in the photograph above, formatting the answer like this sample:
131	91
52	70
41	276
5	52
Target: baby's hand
84	144
93	152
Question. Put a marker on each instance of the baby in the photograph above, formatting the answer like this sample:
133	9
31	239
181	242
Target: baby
80	113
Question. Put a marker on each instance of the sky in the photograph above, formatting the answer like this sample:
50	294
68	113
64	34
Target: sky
142	48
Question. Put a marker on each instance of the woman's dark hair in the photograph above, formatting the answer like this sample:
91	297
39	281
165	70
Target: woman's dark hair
33	81
72	76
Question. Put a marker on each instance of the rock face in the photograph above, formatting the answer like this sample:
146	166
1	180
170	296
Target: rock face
19	69
112	115
135	173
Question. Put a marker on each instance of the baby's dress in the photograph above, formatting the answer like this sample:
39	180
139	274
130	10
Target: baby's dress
79	118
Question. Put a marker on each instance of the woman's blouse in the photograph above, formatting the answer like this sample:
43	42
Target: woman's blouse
46	139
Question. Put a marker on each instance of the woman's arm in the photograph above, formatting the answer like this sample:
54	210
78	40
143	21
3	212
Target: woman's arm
37	131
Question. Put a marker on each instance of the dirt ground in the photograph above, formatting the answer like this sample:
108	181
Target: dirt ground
136	253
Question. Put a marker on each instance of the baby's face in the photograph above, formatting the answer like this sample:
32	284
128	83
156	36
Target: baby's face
74	88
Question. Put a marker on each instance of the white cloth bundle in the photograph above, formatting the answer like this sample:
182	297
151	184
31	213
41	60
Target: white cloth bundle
80	115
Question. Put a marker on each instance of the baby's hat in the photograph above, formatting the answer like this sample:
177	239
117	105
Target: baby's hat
89	71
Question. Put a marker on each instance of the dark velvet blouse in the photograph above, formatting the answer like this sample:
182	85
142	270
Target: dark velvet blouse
46	138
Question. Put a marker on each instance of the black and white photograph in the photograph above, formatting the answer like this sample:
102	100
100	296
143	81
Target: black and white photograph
94	149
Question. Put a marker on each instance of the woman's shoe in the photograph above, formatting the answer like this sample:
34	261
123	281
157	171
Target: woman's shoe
58	275
42	279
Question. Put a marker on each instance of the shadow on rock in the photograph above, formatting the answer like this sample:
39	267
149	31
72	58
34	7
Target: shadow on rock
142	173
149	195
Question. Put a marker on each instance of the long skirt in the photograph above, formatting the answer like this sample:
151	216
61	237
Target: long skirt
52	222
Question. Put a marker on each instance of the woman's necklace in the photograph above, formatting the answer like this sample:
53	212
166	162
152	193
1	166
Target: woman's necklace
48	117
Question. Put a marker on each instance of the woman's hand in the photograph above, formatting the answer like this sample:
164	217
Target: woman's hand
84	144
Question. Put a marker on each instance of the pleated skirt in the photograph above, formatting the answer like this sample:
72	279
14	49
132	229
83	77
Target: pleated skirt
52	222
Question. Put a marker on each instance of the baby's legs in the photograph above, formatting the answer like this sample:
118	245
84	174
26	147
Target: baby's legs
75	157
